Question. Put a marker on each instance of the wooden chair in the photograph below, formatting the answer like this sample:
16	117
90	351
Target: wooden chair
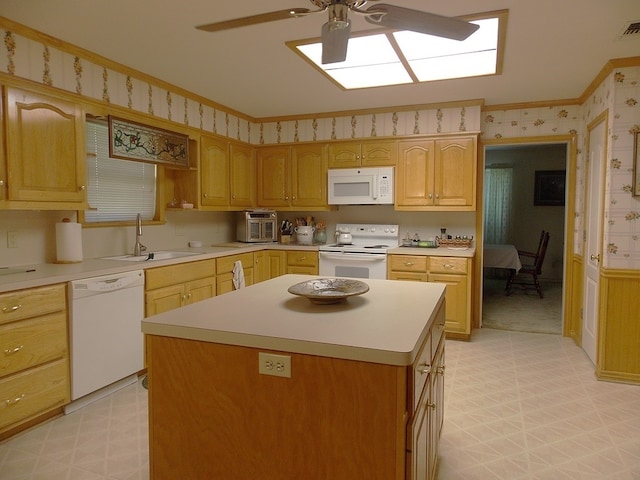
527	277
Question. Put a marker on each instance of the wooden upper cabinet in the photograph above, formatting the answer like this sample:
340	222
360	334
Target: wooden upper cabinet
274	165
227	173
242	173
362	154
415	173
292	177
436	174
46	153
309	176
214	172
455	174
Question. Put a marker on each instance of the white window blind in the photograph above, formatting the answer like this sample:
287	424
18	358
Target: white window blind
117	189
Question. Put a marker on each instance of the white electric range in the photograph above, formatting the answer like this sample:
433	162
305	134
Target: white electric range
364	257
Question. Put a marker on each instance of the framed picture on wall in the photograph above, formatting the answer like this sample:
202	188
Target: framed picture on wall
635	189
549	188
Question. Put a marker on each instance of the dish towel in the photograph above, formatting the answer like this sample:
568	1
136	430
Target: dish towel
238	275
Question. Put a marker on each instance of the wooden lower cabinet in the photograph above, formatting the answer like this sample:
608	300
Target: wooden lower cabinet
302	262
455	272
269	264
213	416
174	286
224	268
34	366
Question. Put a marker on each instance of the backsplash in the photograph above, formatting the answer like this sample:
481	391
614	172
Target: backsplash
36	240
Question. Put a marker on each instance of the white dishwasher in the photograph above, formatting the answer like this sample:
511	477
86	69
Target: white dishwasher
105	328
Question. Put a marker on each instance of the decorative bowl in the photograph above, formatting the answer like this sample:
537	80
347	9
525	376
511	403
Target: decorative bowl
324	291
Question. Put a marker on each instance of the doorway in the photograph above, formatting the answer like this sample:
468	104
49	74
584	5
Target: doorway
517	218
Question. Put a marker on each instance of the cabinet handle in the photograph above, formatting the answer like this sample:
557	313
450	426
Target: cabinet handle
424	368
448	265
440	370
11	351
408	264
82	188
1	183
431	195
437	195
204	195
431	405
11	309
189	296
13	401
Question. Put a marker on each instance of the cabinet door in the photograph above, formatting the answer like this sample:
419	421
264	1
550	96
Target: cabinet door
45	149
456	300
269	264
421	437
309	176
274	169
415	173
214	172
242	171
164	299
344	155
200	289
379	154
455	172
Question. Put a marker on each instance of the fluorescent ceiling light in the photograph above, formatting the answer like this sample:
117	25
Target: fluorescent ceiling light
401	57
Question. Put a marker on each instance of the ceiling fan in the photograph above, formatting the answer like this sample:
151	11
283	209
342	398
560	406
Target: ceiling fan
335	33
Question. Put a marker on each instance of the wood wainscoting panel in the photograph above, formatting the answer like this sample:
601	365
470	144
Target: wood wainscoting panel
619	328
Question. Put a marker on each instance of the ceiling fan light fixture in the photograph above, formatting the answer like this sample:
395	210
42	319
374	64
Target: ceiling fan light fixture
338	16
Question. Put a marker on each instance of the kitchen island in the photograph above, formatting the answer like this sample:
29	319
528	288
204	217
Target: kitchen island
262	384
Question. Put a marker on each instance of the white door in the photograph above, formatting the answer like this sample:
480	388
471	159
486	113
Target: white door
593	239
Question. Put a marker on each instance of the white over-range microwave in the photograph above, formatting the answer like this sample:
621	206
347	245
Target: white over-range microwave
361	186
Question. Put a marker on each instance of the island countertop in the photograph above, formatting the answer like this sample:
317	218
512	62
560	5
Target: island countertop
386	325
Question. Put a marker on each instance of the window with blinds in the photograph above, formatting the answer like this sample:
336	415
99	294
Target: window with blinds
117	190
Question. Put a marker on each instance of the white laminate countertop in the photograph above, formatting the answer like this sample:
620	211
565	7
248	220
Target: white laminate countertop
434	252
385	325
36	275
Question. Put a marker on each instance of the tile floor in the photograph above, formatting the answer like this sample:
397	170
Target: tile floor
518	406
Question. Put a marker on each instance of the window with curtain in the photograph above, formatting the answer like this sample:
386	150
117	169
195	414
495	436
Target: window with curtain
117	190
498	193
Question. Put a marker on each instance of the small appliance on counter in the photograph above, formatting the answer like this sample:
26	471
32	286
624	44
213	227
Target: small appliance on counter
257	226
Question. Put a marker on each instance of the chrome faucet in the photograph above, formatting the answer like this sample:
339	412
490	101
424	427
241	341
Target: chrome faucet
138	248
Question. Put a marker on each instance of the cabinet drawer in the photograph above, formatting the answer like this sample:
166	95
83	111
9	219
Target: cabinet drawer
33	392
181	273
32	342
419	373
408	263
32	302
302	259
225	264
447	265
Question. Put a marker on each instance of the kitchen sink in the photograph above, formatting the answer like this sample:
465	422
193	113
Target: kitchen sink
151	256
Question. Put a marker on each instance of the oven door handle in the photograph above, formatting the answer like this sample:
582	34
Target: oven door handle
371	257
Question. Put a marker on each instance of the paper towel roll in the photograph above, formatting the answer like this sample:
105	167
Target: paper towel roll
68	242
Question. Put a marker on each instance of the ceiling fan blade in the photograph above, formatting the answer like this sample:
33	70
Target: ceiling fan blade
401	18
254	19
334	42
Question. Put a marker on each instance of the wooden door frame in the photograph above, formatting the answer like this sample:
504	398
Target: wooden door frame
569	288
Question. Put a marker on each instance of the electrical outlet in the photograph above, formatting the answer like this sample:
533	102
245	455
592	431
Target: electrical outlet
12	239
276	365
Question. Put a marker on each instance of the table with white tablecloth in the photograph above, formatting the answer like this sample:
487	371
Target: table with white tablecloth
501	256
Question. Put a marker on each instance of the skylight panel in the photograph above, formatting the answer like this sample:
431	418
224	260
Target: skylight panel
401	57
